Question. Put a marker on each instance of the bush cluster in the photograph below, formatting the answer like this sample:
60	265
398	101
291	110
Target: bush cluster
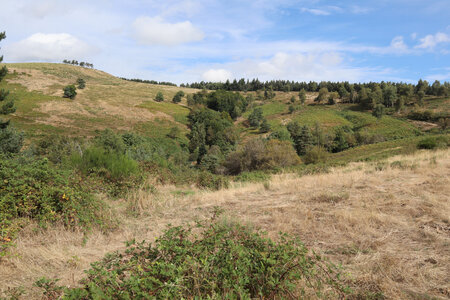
211	260
34	189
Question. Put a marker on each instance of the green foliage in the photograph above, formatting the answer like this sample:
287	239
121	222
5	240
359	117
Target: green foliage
223	101
159	97
323	95
11	140
33	189
315	155
378	111
256	117
301	137
213	182
254	176
208	128
178	96
302	96
265	126
281	134
258	154
98	160
81	83
212	260
70	91
433	143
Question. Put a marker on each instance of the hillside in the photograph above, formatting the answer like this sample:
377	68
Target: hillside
387	223
81	176
106	102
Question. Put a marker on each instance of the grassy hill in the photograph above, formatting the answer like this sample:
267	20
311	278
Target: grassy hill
78	191
106	102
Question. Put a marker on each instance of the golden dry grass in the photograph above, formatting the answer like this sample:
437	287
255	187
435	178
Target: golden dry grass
107	101
388	223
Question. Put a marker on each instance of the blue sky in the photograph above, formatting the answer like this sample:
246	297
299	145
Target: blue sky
187	40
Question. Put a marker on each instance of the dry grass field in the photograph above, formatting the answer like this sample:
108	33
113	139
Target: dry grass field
387	223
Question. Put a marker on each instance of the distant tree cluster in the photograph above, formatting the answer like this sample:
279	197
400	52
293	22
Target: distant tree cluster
149	81
344	89
81	63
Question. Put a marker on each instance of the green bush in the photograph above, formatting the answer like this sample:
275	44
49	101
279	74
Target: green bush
315	155
433	143
111	164
81	83
70	91
34	189
211	260
210	181
11	140
255	176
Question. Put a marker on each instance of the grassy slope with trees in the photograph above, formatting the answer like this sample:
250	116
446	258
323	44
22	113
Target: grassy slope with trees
115	134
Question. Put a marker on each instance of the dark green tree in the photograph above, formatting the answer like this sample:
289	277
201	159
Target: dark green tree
389	95
10	140
70	91
256	117
420	96
81	83
323	95
265	126
301	137
378	111
302	96
178	96
159	97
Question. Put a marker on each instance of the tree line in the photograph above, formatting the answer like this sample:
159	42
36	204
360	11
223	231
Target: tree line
436	88
81	63
149	81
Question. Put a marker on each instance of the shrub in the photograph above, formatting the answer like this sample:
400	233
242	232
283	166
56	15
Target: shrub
280	154
210	181
70	91
258	154
254	176
11	140
256	117
212	260
81	83
178	96
159	97
111	164
433	143
378	111
315	155
34	189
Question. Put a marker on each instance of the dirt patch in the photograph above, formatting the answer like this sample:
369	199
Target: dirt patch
425	126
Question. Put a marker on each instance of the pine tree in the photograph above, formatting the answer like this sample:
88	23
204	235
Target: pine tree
10	140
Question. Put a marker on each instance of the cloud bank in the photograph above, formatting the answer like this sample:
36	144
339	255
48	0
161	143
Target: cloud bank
155	31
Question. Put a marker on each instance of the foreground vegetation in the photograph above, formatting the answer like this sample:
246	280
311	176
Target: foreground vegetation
68	156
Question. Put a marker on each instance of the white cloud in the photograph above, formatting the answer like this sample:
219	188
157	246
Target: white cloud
315	11
217	75
430	41
155	31
291	66
48	47
397	43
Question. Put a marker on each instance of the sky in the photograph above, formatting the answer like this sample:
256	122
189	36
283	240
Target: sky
188	41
